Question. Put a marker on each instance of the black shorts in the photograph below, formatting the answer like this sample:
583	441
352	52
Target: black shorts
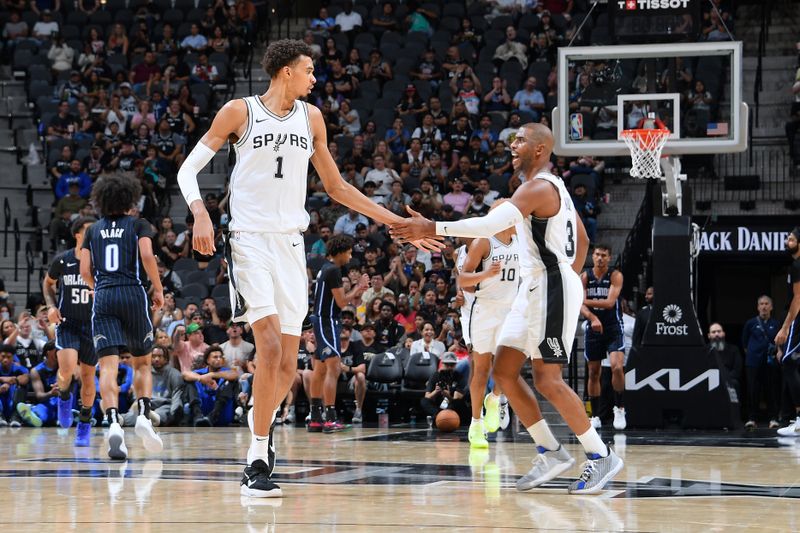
326	335
121	317
599	345
72	336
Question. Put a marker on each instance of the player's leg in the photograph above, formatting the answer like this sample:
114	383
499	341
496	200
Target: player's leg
481	365
333	366
293	392
88	394
143	387
316	384
595	352
360	390
617	359
67	363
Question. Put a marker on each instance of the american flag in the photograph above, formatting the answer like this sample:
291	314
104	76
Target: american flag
717	128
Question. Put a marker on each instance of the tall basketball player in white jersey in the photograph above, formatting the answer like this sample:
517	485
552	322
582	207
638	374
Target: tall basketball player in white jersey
542	322
491	272
274	135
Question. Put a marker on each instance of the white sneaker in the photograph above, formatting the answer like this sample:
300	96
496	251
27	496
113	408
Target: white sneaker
792	430
358	417
290	417
546	466
596	423
619	418
150	439
115	438
505	415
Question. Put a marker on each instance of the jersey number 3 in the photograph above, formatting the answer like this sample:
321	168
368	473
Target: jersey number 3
279	172
569	249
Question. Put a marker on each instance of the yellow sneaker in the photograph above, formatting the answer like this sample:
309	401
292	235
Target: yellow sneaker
477	435
491	416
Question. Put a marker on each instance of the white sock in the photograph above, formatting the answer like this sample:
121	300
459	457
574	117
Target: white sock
542	436
259	447
503	398
477	420
494	397
592	443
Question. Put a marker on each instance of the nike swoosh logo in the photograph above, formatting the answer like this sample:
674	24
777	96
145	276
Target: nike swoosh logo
262	440
295	244
71	264
531	290
250	482
260	120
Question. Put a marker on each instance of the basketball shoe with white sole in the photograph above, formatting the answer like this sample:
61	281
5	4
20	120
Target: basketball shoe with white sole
150	439
115	438
597	472
619	418
546	466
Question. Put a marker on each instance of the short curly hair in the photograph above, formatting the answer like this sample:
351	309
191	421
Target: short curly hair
339	244
283	53
115	195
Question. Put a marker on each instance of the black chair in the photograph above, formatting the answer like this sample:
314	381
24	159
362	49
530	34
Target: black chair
221	291
185	263
420	367
194	290
384	368
198	276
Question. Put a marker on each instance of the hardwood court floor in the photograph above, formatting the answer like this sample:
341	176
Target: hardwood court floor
399	479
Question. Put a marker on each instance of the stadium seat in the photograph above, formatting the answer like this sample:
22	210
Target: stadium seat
124	17
529	21
221	291
502	22
101	18
384	368
451	24
511	71
200	277
453	9
194	289
185	263
184	5
173	16
76	18
418	370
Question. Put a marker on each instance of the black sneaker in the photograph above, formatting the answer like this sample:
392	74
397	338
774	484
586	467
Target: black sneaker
202	422
15	421
256	482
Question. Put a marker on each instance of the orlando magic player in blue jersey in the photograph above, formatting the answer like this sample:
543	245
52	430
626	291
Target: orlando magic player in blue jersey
72	316
329	298
788	338
603	331
45	390
109	261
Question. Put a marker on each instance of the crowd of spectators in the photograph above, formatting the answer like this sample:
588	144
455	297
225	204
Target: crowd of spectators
422	102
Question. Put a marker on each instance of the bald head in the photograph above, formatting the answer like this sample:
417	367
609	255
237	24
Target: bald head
532	148
540	134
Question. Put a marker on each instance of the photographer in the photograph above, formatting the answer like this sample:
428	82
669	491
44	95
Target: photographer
446	390
761	367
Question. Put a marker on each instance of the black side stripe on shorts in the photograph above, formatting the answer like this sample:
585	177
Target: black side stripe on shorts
552	346
471	314
241	304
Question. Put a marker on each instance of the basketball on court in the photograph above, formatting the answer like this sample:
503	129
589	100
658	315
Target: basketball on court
447	421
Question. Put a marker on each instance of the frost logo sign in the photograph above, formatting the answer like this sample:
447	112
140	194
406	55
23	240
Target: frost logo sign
672	315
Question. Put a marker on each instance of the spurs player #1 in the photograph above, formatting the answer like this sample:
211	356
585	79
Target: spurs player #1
542	321
274	136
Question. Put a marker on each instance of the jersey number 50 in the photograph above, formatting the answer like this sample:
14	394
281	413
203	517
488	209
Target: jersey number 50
80	296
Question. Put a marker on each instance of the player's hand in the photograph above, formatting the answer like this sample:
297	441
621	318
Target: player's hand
597	326
780	338
54	315
203	235
414	228
459	298
494	269
158	299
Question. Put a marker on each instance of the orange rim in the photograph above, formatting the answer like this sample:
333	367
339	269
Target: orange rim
645	136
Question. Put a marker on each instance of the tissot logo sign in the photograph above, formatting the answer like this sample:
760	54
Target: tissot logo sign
633	5
742	239
672	315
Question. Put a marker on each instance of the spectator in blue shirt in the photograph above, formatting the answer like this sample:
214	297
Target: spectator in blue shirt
195	41
75	175
323	23
13	380
212	390
761	368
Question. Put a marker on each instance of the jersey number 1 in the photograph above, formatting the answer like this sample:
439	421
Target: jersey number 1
279	172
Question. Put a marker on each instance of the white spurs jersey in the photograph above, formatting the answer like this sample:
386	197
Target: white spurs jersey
544	243
501	288
461	257
268	182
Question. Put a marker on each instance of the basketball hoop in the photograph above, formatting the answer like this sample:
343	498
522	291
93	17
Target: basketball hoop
645	147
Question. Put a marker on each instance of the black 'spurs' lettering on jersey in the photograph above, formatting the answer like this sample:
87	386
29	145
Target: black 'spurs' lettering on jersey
292	139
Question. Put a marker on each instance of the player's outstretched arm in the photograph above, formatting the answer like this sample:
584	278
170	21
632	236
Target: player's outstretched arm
343	192
228	120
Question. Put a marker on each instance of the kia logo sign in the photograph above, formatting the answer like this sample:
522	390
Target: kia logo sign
673	381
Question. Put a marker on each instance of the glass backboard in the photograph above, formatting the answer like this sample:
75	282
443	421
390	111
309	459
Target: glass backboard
694	89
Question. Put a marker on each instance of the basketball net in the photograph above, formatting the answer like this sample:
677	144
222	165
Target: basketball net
645	146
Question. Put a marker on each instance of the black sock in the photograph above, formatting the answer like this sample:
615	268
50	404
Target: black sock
330	413
316	409
86	414
618	401
595	402
111	415
65	394
144	406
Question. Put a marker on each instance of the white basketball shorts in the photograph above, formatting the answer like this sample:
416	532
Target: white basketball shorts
268	276
485	324
544	316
